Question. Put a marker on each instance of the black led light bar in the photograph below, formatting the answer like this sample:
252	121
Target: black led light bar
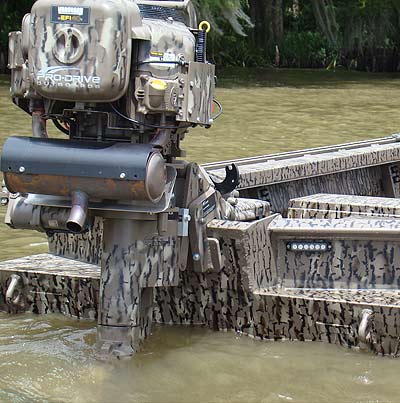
309	246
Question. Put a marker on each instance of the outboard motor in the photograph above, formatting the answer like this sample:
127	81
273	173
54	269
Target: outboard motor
122	81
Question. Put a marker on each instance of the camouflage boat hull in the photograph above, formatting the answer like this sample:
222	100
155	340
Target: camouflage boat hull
307	249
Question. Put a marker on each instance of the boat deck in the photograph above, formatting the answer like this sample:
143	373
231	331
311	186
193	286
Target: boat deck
371	297
47	263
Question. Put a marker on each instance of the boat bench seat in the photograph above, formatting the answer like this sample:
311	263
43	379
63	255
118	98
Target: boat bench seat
332	206
240	209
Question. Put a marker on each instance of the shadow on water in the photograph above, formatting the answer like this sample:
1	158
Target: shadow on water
304	78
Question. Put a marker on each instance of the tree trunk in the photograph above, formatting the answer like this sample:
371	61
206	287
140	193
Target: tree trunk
267	17
3	62
324	12
276	22
3	52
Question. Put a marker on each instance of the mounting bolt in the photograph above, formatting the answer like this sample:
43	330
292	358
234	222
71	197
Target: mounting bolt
123	175
22	169
196	257
4	201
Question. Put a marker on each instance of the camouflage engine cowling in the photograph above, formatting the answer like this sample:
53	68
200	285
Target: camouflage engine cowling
107	72
71	56
124	80
81	50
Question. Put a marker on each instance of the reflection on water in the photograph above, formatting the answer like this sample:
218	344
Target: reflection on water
51	358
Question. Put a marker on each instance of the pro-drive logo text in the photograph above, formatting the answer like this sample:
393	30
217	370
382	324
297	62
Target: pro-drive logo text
52	77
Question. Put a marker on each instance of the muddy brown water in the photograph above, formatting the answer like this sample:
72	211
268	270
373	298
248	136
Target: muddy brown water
51	358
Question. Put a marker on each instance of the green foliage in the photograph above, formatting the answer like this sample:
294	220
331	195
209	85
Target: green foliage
362	34
230	49
11	14
305	49
370	33
218	12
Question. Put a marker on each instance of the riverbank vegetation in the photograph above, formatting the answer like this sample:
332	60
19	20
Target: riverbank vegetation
356	34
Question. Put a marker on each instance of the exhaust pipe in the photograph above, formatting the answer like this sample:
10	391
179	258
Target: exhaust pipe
39	124
23	215
77	219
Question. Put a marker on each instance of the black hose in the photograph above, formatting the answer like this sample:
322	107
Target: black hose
60	126
221	109
136	122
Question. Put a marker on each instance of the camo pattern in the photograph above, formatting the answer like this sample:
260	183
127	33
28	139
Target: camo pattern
236	269
17	65
100	50
356	227
166	42
247	249
221	302
199	88
362	182
253	288
364	253
256	172
394	175
350	264
322	318
171	41
374	298
46	263
241	209
341	206
49	284
87	247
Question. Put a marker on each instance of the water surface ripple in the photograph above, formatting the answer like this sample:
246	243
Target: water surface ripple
52	359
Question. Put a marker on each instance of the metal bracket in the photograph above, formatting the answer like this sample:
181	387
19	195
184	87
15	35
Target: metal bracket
231	181
183	222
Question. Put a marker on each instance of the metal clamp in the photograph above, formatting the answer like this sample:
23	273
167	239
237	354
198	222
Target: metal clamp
4	200
183	222
14	288
366	326
4	195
